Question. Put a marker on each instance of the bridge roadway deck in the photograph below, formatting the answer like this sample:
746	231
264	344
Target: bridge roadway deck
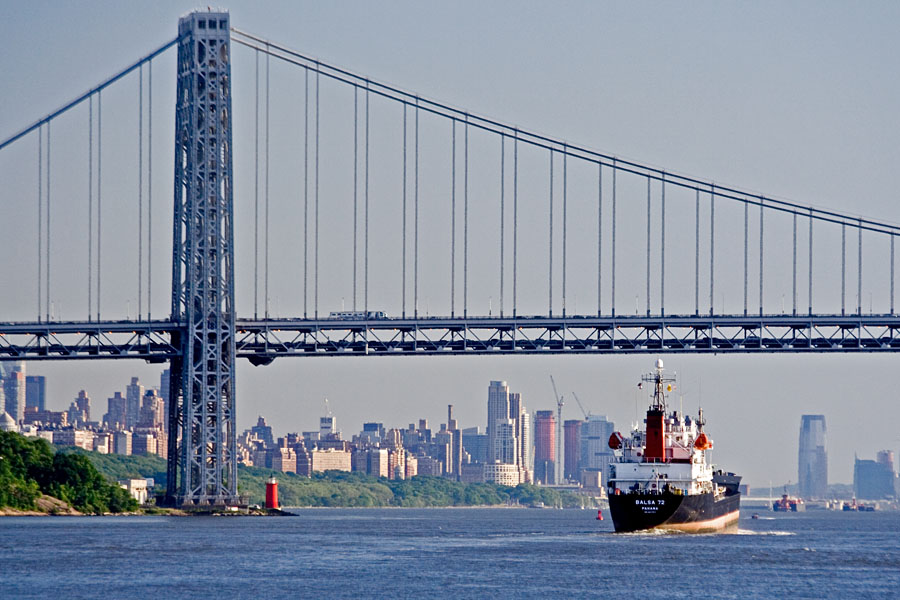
263	340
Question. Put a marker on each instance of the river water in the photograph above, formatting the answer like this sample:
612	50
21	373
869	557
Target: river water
463	553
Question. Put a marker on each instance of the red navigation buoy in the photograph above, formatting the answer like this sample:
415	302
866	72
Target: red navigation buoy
599	515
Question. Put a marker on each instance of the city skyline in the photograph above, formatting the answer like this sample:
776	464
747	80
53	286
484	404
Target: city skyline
466	421
774	112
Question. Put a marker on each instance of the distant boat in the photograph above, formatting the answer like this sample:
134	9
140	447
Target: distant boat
788	504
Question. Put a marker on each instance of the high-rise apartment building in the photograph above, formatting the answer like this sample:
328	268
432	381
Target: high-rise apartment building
134	394
812	464
152	413
165	379
116	409
475	444
572	448
506	444
14	392
36	391
263	432
874	479
80	410
83	404
594	441
544	446
497	408
328	427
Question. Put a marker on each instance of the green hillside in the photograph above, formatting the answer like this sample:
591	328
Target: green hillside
336	488
30	467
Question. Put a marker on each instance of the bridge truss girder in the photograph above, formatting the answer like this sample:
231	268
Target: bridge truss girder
262	341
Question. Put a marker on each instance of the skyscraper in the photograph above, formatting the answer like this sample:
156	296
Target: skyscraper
80	409
14	392
116	409
36	392
134	394
497	408
572	448
594	440
505	442
812	464
164	382
151	410
544	446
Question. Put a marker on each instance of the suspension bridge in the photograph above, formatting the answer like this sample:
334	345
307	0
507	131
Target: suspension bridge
419	212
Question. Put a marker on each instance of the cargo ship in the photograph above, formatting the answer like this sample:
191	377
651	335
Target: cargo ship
660	478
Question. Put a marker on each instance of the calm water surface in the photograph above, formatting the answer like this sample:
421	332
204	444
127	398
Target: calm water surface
466	553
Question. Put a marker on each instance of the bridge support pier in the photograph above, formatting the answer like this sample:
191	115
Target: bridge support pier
202	465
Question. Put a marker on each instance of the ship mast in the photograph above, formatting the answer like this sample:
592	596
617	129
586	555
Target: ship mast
662	384
654	441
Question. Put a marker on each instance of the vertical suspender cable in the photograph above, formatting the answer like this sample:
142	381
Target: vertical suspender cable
47	248
859	272
810	261
712	247
502	211
599	238
256	200
761	253
366	233
648	247
266	254
416	215
99	191
90	202
697	253
892	273
305	189
794	311
516	219
466	218
149	186
316	200
453	219
662	251
40	235
140	190
613	257
746	249
403	249
843	268
564	220
550	241
355	186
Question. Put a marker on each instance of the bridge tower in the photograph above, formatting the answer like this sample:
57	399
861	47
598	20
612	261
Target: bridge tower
202	462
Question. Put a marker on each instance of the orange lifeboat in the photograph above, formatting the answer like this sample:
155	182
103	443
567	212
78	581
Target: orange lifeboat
702	442
615	440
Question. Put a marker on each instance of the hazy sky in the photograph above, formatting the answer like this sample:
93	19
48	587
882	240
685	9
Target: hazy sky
795	100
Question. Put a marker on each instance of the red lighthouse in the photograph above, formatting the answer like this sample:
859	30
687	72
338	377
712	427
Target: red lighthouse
272	493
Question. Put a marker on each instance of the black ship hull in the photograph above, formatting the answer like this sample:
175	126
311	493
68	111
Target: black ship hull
699	513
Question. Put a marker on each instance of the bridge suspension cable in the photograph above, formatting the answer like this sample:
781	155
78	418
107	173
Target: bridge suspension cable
576	151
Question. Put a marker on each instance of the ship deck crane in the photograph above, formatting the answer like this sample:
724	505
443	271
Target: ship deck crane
559	406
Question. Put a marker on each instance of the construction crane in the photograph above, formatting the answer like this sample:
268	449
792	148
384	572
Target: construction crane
581	406
559	406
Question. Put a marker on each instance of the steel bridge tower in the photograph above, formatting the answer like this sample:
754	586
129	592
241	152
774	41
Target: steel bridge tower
202	395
